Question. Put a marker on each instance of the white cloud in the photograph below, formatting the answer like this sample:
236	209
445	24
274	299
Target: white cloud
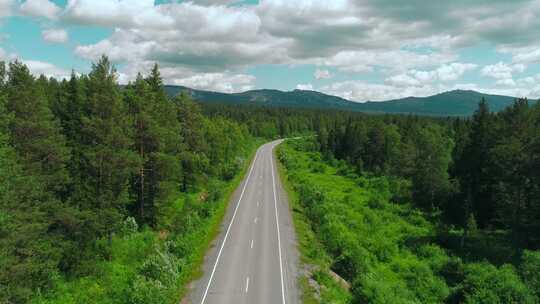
40	8
6	7
415	46
444	73
528	57
48	69
322	74
117	13
55	35
508	82
366	60
453	71
363	91
502	70
403	80
226	82
305	87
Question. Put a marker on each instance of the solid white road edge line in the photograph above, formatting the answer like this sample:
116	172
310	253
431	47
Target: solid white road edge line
229	228
277	224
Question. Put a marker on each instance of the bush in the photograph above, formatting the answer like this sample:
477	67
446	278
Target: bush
485	283
147	291
530	270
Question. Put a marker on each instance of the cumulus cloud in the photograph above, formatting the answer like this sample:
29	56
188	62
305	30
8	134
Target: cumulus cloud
414	45
444	73
502	70
362	91
322	74
221	82
305	87
55	35
45	68
508	82
40	8
366	60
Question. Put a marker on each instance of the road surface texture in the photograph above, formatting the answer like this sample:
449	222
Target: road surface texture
255	258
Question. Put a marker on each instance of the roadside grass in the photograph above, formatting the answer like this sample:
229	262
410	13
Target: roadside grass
315	263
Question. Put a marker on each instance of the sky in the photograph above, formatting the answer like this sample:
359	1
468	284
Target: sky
362	50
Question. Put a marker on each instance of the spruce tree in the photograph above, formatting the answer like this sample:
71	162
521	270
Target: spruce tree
106	161
35	133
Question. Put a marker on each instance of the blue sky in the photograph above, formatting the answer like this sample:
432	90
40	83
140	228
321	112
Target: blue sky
373	50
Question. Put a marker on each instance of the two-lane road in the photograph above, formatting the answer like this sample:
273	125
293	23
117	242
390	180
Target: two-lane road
255	258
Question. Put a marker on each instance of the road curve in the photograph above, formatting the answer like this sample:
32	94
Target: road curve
255	258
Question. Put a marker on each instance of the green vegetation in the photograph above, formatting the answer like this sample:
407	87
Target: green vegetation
357	226
112	194
109	194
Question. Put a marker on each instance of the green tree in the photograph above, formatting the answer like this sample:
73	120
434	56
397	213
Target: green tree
106	162
35	133
194	151
431	184
156	141
29	253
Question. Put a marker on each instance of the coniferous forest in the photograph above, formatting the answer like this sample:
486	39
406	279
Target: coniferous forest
111	194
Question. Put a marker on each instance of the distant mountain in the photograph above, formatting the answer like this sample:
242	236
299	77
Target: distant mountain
452	103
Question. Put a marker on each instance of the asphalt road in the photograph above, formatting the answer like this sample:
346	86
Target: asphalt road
255	258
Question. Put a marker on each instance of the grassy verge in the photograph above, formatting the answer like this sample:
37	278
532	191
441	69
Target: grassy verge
316	286
147	266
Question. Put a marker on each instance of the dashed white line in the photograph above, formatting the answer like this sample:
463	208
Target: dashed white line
277	227
255	220
247	284
251	244
229	229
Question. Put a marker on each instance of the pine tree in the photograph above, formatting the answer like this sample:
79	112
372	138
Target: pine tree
474	166
193	155
157	142
106	159
29	253
35	133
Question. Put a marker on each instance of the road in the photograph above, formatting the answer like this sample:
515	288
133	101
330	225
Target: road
255	258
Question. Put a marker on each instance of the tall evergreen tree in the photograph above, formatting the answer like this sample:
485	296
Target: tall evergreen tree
35	133
474	167
29	253
194	151
107	161
156	141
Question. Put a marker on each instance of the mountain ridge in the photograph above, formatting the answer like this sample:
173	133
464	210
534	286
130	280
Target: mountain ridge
449	103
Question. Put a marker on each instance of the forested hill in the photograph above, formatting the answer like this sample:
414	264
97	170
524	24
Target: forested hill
451	103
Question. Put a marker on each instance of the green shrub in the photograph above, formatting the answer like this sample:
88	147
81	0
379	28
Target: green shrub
530	270
147	291
485	283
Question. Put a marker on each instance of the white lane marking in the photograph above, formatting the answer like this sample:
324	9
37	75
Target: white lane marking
247	284
277	226
229	228
257	203
255	220
251	244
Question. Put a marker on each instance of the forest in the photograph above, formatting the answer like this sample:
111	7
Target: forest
112	193
108	193
418	210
